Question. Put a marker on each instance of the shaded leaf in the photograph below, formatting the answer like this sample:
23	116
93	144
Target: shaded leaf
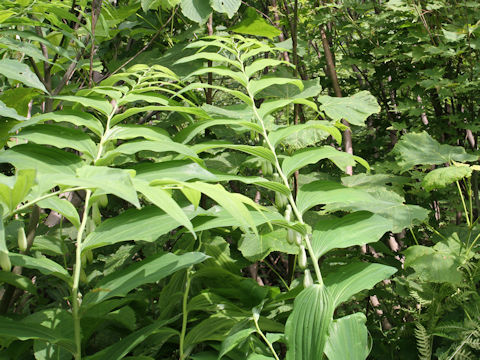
348	338
15	70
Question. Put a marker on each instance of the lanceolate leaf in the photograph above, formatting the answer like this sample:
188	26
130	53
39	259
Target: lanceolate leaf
354	229
307	326
348	338
147	224
43	264
95	103
146	271
121	348
8	112
350	279
355	109
19	281
63	207
312	155
15	70
25	330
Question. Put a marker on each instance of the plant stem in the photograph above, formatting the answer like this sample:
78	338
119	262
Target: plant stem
463	203
282	176
185	315
269	344
76	279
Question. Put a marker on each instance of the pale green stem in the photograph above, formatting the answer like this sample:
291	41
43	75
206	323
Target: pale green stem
103	139
284	179
33	202
469	191
269	344
76	279
185	315
463	203
413	234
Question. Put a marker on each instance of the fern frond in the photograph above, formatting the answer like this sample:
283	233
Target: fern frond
424	342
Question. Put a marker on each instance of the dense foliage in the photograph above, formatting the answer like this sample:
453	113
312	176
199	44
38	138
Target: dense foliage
226	179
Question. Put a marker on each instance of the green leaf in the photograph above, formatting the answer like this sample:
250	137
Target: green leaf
9	112
147	224
63	207
111	181
14	190
136	110
234	340
132	131
45	160
255	86
308	156
213	328
28	330
210	56
433	265
77	118
355	109
352	278
15	70
279	134
164	201
421	149
19	281
259	151
255	248
146	271
196	10
95	103
253	24
121	348
59	136
307	326
42	264
229	7
440	178
355	229
348	338
260	64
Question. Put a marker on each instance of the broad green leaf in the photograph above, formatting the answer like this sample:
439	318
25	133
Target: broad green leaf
8	112
146	271
348	338
15	70
308	156
440	178
41	158
379	201
190	131
121	348
132	131
196	10
276	136
259	151
210	56
147	224
260	64
63	207
421	149
355	109
255	248
430	264
111	181
311	88
136	110
255	86
220	71
229	7
354	229
95	103
352	278
307	326
214	328
60	137
77	118
13	190
42	264
164	201
133	147
254	24
238	94
234	340
270	106
49	245
28	330
19	281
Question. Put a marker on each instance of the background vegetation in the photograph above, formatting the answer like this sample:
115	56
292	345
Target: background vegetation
225	179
